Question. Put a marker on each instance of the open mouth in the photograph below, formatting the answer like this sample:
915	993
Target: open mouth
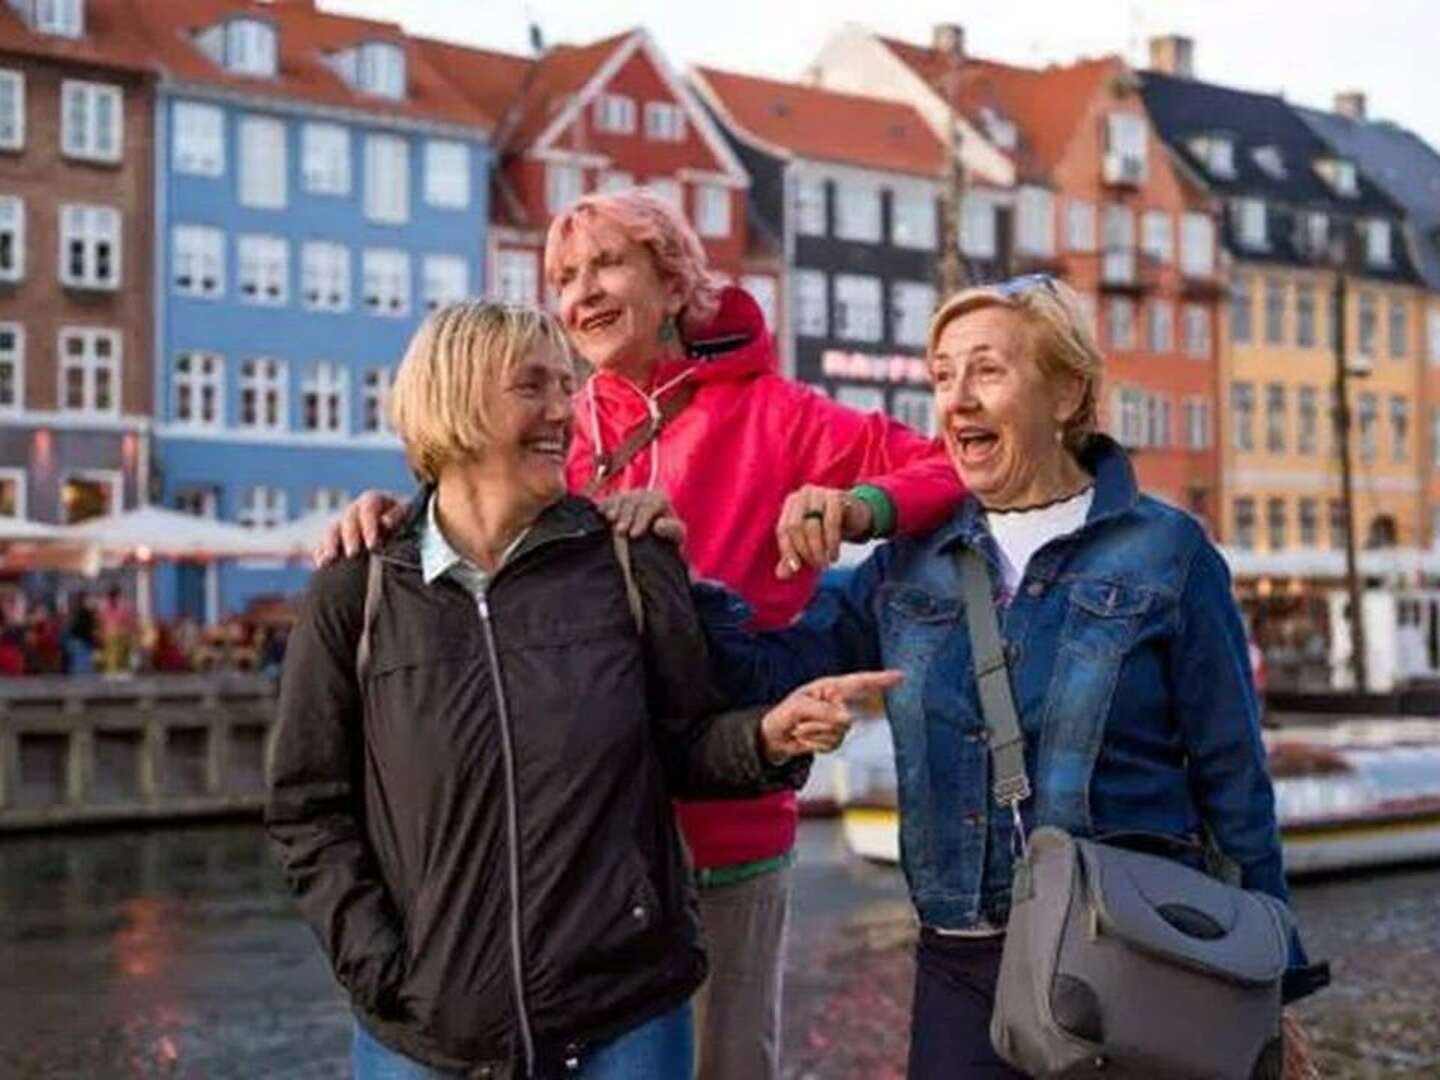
974	444
551	448
598	321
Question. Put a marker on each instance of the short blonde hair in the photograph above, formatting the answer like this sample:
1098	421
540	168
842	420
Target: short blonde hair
1060	331
442	398
658	227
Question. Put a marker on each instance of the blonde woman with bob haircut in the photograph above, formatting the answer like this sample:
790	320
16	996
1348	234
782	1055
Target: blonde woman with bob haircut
481	727
1123	645
686	401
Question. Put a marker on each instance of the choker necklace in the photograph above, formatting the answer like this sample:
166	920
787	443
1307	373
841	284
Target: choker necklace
1044	505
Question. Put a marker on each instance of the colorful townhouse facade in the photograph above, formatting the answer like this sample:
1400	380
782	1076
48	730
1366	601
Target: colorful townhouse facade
320	188
851	186
1065	175
1297	213
604	116
76	231
1407	169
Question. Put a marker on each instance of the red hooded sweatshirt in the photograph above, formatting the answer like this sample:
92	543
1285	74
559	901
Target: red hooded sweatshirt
728	460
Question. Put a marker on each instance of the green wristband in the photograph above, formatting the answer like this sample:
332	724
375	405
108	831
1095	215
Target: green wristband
882	508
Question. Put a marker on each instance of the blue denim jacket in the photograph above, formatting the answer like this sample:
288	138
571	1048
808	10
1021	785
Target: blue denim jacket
1130	673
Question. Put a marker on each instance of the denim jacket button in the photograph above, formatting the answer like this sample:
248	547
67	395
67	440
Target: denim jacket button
972	820
1036	588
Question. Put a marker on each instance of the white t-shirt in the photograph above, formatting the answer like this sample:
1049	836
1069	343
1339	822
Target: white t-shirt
1021	533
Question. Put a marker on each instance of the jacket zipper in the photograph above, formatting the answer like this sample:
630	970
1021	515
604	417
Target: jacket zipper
512	830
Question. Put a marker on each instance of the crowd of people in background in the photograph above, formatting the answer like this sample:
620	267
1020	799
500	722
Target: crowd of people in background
87	634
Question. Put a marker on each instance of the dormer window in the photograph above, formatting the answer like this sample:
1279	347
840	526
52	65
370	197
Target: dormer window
242	46
1003	132
1340	175
1216	154
1271	163
1250	226
1125	149
374	67
64	18
1377	242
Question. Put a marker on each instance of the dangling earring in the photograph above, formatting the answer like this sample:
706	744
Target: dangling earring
669	332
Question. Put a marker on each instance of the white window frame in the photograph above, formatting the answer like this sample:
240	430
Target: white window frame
263	507
385	277
615	114
326	500
1307	420
809	205
1377	242
197	261
563	185
91	366
375	384
1035	212
262	166
82	135
1128	416
387	179
914	220
1252	226
1081	224
93	227
12	123
12	229
1199	430
447	174
1120	333
1198	336
669	189
251	47
1125	137
65	18
197	387
1160	326
446	280
977	226
664	121
18	479
325	276
262	270
911	305
915	409
812	303
1397	318
13	359
517	276
1197	245
612	180
859	307
197	141
327	382
1401	426
381	69
1157	235
712	210
264	393
1118	256
325	163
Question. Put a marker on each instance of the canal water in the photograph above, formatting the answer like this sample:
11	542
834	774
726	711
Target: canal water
175	953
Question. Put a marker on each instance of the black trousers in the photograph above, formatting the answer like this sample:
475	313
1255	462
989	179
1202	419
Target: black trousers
954	996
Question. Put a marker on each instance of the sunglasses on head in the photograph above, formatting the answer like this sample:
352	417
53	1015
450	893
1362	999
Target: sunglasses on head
1018	286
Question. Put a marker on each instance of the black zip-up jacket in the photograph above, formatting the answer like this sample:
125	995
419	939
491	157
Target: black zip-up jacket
481	836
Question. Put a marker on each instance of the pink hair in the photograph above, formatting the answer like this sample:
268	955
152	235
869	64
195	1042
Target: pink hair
652	222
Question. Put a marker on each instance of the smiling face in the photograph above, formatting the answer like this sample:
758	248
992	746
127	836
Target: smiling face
613	300
531	422
998	414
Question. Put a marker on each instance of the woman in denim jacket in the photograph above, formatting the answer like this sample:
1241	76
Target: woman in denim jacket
1125	649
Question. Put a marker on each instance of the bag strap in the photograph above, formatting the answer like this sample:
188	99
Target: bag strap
374	582
613	463
627	571
1009	782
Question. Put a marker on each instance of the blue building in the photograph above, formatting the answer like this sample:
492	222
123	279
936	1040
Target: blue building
320	189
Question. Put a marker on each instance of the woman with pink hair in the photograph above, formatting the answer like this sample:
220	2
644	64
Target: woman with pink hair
768	477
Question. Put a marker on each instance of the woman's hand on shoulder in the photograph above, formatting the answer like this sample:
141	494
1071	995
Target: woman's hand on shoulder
635	513
816	717
813	523
365	523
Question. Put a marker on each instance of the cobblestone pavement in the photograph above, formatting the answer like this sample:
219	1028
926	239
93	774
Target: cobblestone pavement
175	953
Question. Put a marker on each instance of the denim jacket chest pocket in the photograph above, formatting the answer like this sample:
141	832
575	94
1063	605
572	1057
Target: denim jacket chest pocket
1104	617
914	624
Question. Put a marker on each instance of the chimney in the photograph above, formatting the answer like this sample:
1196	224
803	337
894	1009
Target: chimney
1173	54
949	39
1351	104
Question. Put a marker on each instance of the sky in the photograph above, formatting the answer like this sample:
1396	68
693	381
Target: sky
1306	49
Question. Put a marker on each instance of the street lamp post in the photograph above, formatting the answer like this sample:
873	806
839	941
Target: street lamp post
1347	476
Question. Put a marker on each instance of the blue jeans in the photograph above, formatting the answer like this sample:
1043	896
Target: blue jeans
659	1049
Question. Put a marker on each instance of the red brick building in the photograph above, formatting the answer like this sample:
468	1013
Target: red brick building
76	235
596	117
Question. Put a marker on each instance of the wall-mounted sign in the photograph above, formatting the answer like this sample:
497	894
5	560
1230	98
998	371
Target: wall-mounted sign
862	367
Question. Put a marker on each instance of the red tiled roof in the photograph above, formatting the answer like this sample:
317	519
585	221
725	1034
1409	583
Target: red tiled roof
491	81
1045	104
558	75
306	38
111	38
814	122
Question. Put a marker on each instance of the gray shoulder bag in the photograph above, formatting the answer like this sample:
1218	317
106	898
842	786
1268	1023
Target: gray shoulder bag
1117	962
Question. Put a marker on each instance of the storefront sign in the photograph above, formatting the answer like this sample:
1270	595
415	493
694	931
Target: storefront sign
862	367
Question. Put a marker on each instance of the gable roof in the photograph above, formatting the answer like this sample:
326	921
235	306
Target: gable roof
813	122
1400	162
555	82
111	38
1181	109
489	80
306	38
